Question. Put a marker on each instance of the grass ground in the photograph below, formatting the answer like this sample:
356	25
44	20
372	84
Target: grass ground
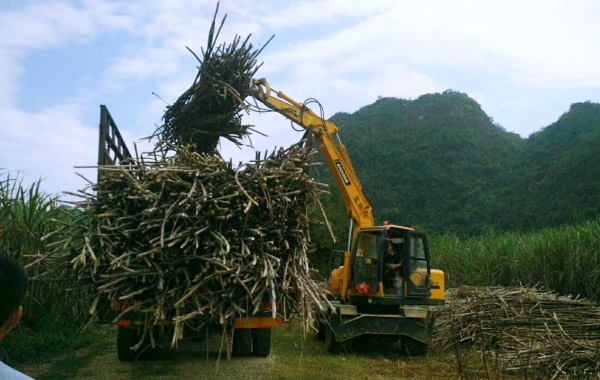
292	357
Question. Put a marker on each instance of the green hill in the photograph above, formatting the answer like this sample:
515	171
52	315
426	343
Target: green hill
562	171
440	163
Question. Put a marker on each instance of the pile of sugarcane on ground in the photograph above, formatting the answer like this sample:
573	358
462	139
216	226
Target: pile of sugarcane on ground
524	329
191	240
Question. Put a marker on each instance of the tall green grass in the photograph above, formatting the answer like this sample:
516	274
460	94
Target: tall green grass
563	259
26	215
49	339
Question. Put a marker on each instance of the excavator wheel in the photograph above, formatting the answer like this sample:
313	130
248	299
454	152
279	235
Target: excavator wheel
242	342
412	347
332	345
322	331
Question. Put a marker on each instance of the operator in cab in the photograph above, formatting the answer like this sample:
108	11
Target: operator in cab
392	264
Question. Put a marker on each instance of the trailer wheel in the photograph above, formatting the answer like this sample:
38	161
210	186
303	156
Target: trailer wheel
261	342
126	338
412	347
242	342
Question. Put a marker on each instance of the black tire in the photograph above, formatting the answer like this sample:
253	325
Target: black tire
126	338
330	343
261	342
106	315
322	331
242	343
411	347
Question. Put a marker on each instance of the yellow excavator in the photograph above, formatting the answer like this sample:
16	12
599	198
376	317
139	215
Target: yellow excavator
365	300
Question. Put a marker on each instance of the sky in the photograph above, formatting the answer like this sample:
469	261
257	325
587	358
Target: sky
524	62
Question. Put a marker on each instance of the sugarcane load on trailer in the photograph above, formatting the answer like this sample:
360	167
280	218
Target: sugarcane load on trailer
241	277
372	296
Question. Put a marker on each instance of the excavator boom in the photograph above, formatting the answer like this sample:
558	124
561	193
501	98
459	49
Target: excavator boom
367	302
334	152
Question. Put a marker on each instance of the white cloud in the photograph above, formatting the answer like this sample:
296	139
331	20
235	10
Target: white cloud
318	13
46	145
47	24
343	53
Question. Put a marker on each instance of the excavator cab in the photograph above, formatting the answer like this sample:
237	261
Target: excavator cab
371	277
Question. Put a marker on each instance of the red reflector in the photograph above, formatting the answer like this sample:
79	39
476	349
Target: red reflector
268	307
123	323
363	289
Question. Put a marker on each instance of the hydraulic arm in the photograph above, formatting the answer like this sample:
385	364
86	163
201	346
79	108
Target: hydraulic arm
334	153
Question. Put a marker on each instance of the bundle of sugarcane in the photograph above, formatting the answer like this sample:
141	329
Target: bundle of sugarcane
524	328
211	107
190	239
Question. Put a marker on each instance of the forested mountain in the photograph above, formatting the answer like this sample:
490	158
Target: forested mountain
440	163
562	175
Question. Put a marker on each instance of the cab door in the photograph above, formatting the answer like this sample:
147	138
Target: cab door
365	268
417	274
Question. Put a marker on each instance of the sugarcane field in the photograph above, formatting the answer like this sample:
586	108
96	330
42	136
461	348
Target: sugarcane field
177	263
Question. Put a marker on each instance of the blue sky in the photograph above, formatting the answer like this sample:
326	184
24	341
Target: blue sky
524	62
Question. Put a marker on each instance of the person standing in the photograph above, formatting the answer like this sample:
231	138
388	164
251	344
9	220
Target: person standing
13	285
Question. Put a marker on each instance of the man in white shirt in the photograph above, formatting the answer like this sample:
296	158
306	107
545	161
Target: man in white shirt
13	284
